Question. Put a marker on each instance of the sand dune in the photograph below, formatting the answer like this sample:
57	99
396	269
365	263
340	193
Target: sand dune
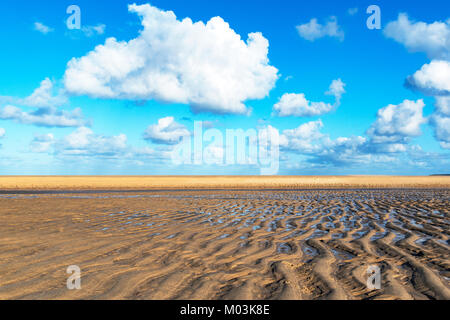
213	182
312	244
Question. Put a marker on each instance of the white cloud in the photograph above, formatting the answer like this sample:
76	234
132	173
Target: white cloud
205	65
301	138
296	104
433	38
84	142
441	124
46	117
432	78
166	131
443	105
352	11
42	28
90	31
337	90
43	96
398	123
307	139
47	113
42	142
2	132
314	30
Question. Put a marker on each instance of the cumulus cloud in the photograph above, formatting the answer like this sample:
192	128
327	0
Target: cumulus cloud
2	132
84	142
44	96
443	105
207	65
166	131
313	30
433	38
307	139
302	137
441	124
398	123
296	104
42	28
440	121
432	78
47	112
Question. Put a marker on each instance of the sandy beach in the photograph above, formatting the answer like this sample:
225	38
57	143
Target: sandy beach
217	182
225	244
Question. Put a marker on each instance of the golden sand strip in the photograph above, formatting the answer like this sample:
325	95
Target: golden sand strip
218	182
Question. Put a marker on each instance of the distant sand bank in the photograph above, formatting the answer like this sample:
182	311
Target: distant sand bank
217	182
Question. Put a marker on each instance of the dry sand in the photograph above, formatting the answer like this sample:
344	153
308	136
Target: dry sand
218	182
311	244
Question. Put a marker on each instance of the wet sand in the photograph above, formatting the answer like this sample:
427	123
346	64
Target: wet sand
228	244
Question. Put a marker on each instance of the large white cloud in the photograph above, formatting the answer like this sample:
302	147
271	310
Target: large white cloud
398	123
207	65
296	104
433	38
432	78
166	131
314	30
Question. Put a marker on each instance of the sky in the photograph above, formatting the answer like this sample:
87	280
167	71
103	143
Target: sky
347	90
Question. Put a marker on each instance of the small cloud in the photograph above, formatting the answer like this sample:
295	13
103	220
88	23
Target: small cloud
336	89
41	143
47	112
352	11
42	28
296	104
166	131
2	132
287	78
90	31
314	30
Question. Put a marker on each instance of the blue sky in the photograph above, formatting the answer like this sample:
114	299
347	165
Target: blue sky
69	108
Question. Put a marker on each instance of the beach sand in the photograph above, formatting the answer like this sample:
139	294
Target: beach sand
225	244
217	182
